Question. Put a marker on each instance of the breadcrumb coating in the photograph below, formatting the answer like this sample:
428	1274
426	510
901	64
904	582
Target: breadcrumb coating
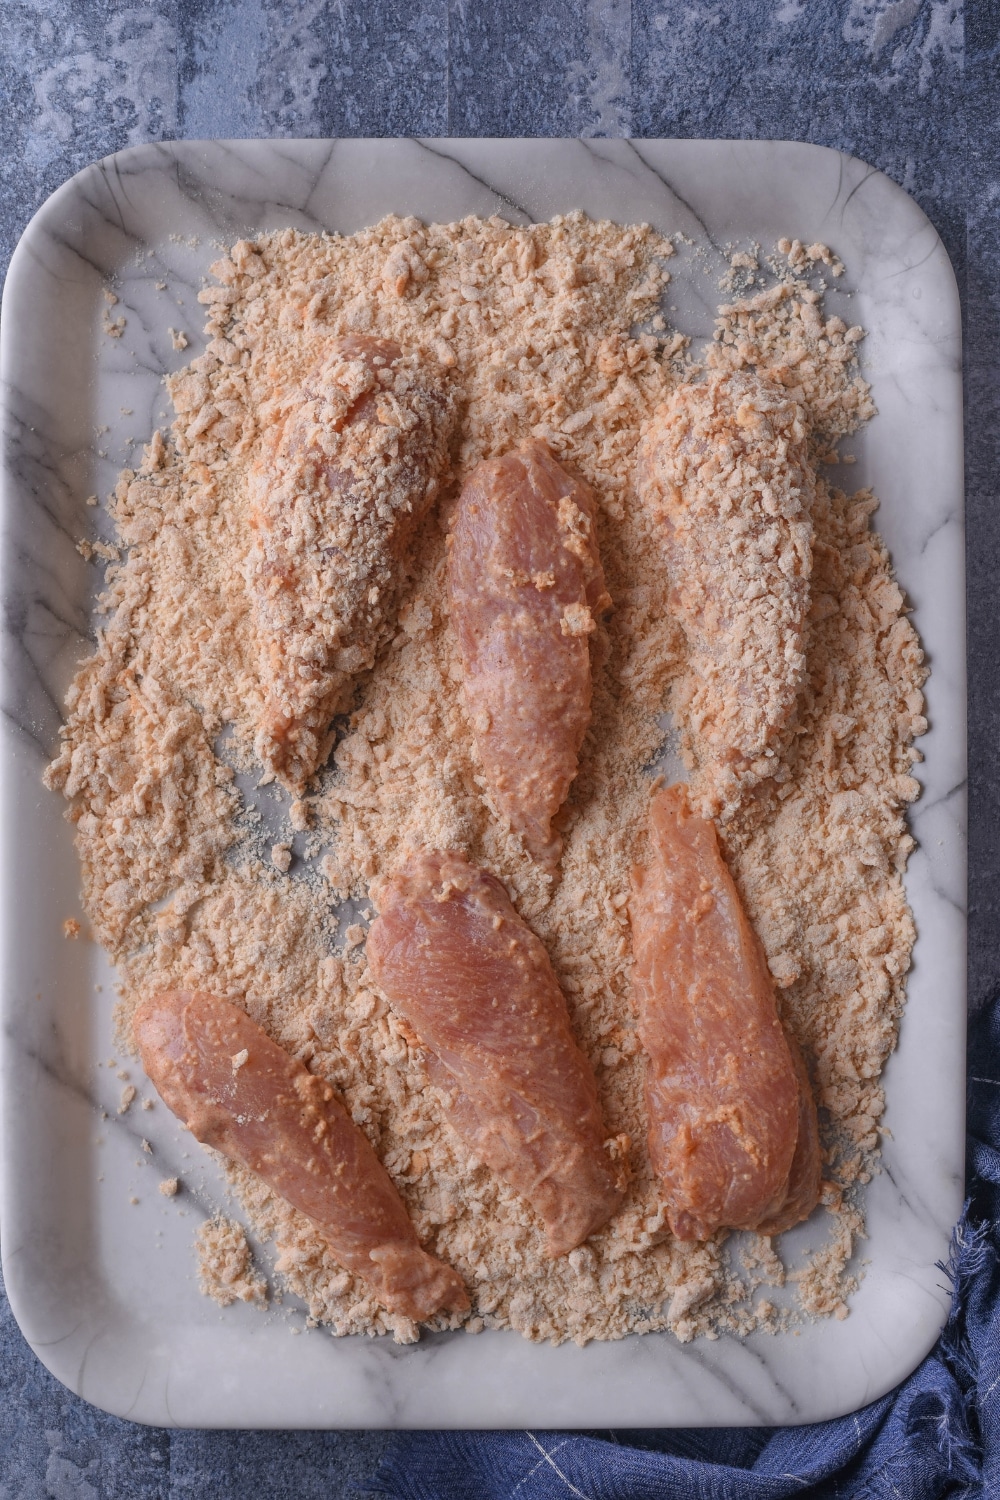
346	473
536	327
724	467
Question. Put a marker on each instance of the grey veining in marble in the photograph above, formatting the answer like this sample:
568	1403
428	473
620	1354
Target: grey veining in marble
77	1250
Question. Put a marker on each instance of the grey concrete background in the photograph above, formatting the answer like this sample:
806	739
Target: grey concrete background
909	85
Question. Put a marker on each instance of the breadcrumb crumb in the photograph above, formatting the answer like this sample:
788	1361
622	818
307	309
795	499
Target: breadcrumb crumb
225	1264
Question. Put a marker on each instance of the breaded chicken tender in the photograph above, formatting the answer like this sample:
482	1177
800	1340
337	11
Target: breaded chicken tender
724	466
347	471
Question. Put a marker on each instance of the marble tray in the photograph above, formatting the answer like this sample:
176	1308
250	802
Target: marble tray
102	1285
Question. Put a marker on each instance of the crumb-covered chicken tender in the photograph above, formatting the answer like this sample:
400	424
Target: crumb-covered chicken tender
526	590
724	467
456	961
724	1093
240	1092
348	469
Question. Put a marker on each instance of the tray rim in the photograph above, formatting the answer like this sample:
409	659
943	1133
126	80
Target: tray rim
52	206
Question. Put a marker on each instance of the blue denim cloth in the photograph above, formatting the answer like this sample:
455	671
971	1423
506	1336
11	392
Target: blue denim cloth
937	1434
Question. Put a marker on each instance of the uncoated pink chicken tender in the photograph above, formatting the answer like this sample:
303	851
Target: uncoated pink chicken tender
732	1122
526	590
802	1191
459	965
240	1092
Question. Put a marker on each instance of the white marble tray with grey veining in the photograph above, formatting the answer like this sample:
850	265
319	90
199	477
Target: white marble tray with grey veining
103	1285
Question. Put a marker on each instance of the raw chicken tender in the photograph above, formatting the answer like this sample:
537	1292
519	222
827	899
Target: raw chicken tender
804	1179
240	1092
526	589
725	467
728	1102
458	964
344	478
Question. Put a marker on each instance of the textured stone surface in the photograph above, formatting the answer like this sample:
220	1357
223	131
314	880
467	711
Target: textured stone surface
909	85
982	484
52	1444
881	80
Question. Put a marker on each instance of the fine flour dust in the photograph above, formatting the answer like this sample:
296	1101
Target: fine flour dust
537	328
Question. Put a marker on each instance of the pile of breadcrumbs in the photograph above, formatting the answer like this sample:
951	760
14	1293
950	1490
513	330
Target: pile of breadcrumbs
538	328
